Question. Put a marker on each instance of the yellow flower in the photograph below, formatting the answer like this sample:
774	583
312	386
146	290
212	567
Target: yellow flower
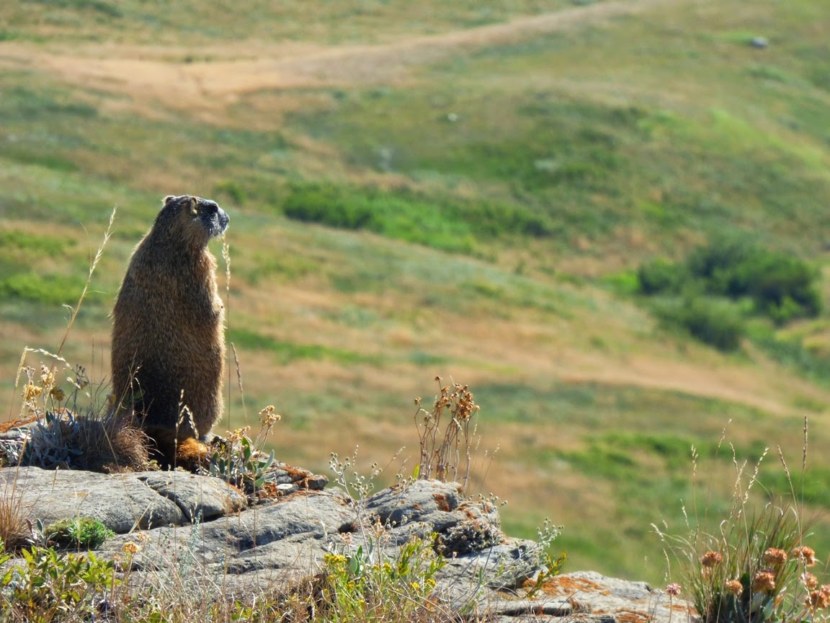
30	392
131	548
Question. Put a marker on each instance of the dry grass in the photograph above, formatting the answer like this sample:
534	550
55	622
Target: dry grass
15	529
447	454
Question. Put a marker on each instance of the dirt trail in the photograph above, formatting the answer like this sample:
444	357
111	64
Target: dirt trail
144	72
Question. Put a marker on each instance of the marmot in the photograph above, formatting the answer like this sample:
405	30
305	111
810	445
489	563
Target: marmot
168	343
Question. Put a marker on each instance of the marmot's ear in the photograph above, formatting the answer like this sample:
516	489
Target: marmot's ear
168	199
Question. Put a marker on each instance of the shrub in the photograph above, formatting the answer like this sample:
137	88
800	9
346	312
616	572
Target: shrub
56	587
783	287
661	276
713	322
369	586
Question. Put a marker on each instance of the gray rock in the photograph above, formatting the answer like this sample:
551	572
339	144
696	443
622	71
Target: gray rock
123	502
267	545
197	536
198	497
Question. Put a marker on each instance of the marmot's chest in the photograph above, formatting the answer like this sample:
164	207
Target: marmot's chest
192	293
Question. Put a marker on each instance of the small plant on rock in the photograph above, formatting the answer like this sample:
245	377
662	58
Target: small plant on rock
446	433
367	585
237	460
77	533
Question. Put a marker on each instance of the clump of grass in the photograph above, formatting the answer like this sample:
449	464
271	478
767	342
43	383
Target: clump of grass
15	529
61	436
757	566
445	453
77	533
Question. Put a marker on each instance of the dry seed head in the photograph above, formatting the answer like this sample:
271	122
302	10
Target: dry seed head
31	392
131	548
238	434
804	554
57	394
673	589
775	557
734	587
47	376
711	558
269	416
809	580
763	582
819	599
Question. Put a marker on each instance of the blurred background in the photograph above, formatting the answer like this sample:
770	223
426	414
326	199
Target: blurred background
608	218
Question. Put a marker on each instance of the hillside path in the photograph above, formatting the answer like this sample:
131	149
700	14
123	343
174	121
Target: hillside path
152	72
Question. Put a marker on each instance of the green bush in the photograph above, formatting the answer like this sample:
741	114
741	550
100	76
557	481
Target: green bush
783	287
711	321
49	586
400	216
661	276
445	223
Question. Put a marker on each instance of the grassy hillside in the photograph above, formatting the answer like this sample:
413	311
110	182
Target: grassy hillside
463	190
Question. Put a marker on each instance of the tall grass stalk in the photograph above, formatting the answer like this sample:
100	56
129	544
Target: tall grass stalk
92	267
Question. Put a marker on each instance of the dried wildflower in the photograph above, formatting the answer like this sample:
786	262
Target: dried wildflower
734	587
804	554
711	558
763	582
269	416
131	548
809	581
81	380
236	435
57	394
673	589
819	599
775	557
31	391
47	376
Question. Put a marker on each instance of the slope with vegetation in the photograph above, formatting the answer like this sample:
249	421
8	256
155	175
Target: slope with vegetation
470	192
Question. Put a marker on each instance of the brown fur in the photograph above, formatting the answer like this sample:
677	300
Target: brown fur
168	343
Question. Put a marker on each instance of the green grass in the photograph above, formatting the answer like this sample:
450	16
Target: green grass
285	352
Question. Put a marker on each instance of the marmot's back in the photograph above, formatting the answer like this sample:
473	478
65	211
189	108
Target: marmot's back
168	346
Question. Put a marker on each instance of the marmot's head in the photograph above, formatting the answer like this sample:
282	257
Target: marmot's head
193	220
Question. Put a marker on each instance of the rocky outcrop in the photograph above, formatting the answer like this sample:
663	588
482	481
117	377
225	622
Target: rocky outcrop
199	527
